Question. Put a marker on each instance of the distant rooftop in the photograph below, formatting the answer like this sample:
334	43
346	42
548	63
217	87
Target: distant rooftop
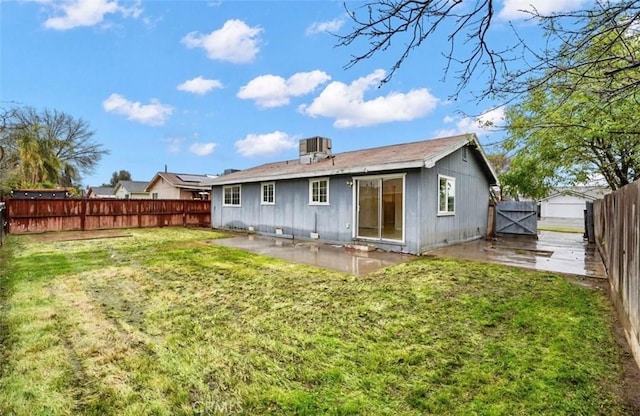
133	186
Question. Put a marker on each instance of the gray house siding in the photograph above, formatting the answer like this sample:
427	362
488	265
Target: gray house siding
471	202
292	212
423	227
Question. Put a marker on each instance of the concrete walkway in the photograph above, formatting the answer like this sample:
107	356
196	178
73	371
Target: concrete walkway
565	253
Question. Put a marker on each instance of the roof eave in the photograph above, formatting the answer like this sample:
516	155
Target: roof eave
325	172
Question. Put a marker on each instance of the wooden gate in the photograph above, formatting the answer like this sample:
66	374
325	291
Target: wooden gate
517	217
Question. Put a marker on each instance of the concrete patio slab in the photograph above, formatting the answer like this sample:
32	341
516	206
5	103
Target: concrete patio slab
565	253
334	257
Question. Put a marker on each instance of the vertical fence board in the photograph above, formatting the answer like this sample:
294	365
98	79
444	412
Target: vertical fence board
617	232
43	215
3	222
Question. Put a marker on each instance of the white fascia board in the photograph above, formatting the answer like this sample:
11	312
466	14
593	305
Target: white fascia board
431	161
195	187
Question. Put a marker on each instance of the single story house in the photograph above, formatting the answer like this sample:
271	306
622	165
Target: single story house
569	202
100	192
167	185
131	190
406	198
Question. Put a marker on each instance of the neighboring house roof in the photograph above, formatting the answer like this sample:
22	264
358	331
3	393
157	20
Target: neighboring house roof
400	156
182	180
101	190
132	186
586	192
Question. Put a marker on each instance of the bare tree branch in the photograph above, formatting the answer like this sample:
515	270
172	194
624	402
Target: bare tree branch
512	70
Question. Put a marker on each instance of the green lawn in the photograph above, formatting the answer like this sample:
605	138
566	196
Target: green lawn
163	323
560	229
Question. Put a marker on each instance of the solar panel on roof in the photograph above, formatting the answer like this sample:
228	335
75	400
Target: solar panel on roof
191	178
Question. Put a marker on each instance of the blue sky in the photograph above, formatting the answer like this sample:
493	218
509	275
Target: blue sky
204	86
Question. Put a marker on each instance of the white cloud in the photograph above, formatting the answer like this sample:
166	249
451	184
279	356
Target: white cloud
174	144
199	85
330	26
69	14
512	9
485	124
154	114
202	149
270	91
347	105
265	144
235	42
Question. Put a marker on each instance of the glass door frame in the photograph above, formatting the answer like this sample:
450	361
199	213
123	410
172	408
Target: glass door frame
356	206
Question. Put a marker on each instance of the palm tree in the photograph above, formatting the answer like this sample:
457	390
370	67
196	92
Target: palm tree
36	158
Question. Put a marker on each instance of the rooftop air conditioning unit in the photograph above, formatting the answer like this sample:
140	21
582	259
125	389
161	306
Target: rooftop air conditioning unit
314	149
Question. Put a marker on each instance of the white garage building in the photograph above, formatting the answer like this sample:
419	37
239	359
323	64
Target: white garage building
569	202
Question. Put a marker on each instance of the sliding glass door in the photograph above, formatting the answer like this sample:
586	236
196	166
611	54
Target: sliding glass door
380	207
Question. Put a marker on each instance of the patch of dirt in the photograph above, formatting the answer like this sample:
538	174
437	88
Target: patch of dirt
115	306
78	235
630	383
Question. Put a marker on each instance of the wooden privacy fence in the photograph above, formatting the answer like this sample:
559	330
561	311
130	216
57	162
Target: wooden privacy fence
617	234
42	215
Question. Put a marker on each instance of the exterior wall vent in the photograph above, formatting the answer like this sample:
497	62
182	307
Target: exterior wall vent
314	149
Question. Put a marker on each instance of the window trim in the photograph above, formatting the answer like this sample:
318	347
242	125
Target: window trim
318	180
263	185
447	212
224	188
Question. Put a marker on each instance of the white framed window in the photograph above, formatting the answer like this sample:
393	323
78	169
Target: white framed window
268	193
154	195
446	195
231	196
319	191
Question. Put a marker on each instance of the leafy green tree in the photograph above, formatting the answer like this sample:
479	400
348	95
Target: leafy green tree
45	147
123	175
577	127
501	164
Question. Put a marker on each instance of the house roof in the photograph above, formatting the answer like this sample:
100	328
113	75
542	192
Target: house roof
132	186
587	192
101	190
380	159
182	180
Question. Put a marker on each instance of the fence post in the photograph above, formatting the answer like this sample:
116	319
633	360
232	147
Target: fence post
491	221
83	213
184	213
2	222
589	232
